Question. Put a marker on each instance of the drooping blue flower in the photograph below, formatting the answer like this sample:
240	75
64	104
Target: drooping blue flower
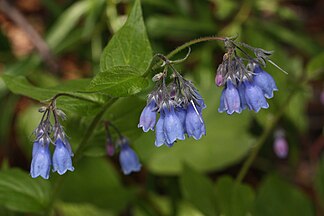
264	81
148	117
254	96
41	159
62	160
195	126
230	99
172	126
159	131
128	159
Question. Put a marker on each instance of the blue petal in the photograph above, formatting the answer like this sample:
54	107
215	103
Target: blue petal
128	160
222	107
254	97
148	117
41	161
181	113
36	146
265	82
159	131
173	128
241	90
232	98
194	123
61	158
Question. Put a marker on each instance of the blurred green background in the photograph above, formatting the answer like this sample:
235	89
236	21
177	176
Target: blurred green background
51	42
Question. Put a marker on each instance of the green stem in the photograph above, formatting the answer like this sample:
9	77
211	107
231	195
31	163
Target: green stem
91	128
192	42
248	162
153	66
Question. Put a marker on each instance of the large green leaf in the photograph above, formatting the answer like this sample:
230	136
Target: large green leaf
80	209
96	182
19	192
129	46
118	81
227	140
233	198
277	197
199	190
84	103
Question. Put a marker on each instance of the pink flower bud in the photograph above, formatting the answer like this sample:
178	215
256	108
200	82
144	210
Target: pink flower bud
110	149
280	147
219	80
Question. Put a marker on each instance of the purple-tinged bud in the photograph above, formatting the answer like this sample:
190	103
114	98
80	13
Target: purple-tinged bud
322	97
219	80
110	149
280	147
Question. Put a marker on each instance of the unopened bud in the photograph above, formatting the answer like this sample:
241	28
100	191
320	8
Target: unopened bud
280	145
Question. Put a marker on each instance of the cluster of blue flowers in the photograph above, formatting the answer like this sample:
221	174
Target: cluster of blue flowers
41	155
246	86
180	107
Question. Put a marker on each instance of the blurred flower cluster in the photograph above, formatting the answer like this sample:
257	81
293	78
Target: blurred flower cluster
45	134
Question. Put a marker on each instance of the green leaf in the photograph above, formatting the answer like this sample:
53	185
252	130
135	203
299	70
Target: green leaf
227	140
19	192
80	209
233	198
129	46
118	81
277	197
199	190
316	66
104	190
80	102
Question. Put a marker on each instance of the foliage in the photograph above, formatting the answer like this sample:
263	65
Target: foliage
110	83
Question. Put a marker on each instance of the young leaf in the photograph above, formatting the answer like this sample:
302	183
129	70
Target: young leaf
118	81
277	197
199	191
232	198
129	46
19	192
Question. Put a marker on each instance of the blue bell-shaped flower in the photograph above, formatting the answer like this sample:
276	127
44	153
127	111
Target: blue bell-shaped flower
62	160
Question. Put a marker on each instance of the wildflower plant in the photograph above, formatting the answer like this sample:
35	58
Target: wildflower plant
173	109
